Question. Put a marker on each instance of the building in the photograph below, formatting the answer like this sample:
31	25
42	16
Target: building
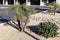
28	2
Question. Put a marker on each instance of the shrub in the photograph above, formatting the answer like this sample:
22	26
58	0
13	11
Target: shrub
47	29
53	7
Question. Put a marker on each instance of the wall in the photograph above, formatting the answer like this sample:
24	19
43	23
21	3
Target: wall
58	1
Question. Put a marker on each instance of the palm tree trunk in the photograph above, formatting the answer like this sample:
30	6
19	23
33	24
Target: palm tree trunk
22	25
54	10
18	21
27	20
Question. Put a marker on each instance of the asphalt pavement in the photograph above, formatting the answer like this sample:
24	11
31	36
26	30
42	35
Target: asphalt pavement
4	17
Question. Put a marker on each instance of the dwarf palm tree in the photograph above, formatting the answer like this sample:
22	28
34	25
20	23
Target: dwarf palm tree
28	12
53	7
22	14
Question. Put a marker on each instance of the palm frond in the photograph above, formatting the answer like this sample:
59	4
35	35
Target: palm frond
53	7
10	9
14	18
56	5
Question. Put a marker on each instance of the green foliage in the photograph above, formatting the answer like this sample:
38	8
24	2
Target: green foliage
22	14
28	9
53	7
56	5
21	11
47	29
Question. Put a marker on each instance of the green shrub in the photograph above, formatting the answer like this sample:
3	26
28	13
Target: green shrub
47	29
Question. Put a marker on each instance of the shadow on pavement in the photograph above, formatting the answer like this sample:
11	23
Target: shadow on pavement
2	20
14	25
31	35
33	28
8	22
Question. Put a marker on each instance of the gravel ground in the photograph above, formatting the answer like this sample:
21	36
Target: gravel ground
7	32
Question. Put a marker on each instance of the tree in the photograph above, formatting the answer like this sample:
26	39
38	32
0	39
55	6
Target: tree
22	14
53	7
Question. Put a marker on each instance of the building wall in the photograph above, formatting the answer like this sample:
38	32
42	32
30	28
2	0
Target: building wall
29	2
58	1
